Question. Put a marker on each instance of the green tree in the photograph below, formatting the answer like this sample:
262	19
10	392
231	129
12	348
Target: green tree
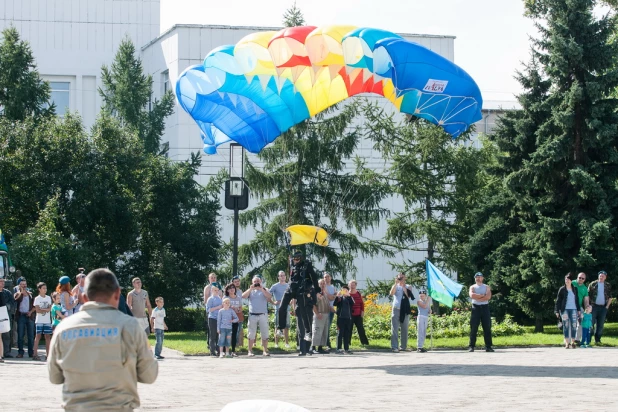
438	180
560	182
22	91
304	181
127	94
293	17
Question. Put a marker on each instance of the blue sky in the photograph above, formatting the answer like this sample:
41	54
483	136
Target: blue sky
492	36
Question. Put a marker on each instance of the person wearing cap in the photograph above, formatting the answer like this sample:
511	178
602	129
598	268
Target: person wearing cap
303	288
139	303
78	290
25	316
67	301
480	294
424	310
100	354
600	293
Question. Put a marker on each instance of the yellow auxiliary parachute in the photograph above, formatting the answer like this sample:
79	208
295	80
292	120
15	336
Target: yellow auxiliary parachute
302	234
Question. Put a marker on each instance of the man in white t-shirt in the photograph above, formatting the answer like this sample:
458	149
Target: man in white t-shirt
43	323
277	290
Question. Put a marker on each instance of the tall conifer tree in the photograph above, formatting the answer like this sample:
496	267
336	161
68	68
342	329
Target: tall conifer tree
559	202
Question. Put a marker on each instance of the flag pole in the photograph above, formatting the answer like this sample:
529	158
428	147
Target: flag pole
430	332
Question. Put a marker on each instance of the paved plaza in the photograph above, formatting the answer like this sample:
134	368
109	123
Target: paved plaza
534	379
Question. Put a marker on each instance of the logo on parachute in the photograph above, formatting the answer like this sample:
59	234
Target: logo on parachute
435	86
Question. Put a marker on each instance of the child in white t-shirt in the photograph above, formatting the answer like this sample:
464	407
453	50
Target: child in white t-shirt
157	321
42	305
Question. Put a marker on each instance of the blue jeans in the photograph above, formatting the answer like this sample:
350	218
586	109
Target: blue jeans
330	322
569	323
585	336
25	325
159	345
599	312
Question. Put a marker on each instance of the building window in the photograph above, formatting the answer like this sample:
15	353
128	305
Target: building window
165	79
61	96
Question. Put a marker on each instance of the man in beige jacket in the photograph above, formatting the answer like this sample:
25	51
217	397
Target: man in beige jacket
100	354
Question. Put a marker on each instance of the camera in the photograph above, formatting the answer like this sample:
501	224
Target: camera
256	285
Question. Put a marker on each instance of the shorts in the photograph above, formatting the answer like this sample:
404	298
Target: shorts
225	337
254	322
143	322
44	329
287	321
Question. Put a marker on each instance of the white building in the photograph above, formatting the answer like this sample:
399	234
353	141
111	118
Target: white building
72	39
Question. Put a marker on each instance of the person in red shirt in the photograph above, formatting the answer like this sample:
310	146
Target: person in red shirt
358	312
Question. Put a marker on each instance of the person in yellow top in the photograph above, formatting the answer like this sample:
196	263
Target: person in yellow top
99	354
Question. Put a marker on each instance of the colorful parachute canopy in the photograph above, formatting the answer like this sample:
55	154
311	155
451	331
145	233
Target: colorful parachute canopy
302	234
268	82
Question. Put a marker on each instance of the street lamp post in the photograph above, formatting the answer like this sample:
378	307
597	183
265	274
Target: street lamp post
236	194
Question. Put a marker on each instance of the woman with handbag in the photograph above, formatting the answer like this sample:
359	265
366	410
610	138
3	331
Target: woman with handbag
568	310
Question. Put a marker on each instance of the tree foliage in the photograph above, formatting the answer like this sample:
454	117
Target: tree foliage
127	94
22	91
438	180
74	198
305	180
293	17
557	208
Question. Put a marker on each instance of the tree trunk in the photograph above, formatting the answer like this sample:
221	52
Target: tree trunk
538	324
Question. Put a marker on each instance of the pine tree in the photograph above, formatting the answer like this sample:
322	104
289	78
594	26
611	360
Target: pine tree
438	180
22	91
127	94
293	17
561	180
304	181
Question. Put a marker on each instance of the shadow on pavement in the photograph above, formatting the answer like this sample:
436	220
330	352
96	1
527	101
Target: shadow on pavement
567	372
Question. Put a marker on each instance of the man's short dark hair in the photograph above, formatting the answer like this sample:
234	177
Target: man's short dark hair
101	284
40	285
345	287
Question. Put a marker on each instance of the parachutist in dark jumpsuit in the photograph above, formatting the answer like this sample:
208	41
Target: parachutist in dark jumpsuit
303	287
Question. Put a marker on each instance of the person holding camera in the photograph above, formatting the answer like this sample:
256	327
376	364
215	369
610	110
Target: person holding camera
400	315
258	314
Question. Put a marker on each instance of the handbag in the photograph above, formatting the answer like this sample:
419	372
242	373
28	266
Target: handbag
5	322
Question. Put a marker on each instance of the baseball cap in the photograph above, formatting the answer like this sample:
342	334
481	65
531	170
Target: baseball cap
236	277
602	273
422	291
477	274
64	280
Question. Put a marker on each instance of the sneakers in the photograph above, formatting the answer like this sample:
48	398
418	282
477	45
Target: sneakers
349	352
279	333
302	354
471	349
276	345
287	345
308	337
489	349
250	354
339	351
395	350
159	357
233	355
221	356
421	350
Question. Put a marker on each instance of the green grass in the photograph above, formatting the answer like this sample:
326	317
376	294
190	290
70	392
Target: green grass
194	343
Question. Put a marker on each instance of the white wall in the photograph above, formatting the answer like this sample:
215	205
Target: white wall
72	39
